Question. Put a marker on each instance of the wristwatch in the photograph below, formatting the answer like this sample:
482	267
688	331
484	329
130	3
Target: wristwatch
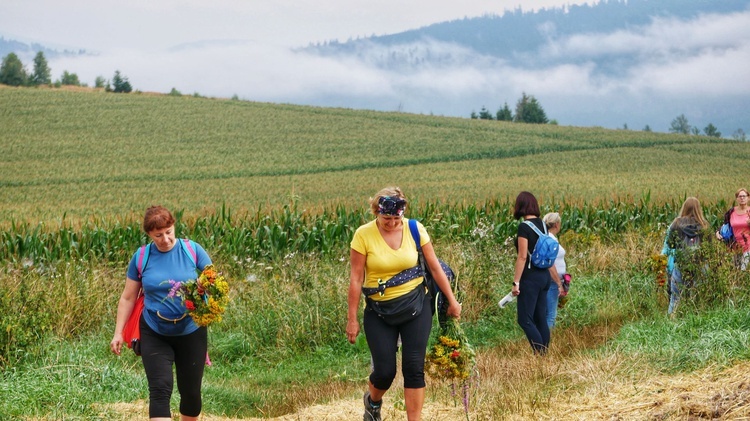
515	284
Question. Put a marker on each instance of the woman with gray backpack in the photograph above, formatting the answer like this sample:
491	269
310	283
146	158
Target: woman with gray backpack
683	238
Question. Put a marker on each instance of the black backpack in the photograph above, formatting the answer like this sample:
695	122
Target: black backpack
439	303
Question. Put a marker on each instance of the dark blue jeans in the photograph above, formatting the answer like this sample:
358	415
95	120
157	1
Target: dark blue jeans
532	312
553	298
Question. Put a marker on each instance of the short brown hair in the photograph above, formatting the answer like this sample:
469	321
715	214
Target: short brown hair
526	204
737	193
157	217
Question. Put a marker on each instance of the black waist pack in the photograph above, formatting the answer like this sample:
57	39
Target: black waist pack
399	310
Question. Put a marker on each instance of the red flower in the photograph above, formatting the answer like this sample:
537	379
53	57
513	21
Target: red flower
189	304
454	354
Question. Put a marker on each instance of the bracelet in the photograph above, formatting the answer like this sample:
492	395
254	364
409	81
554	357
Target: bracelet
516	284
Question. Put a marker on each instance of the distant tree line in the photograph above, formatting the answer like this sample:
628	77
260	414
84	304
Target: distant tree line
528	110
680	125
13	73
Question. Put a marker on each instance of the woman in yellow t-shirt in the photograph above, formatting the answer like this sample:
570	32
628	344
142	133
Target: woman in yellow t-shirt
384	261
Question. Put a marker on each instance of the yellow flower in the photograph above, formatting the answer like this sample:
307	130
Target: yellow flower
453	343
439	350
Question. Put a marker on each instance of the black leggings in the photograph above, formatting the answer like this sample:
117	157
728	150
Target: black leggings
188	354
382	339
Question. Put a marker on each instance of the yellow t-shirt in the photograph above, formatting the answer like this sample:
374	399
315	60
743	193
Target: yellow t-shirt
383	262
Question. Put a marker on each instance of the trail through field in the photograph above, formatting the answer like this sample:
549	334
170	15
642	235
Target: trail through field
706	394
350	409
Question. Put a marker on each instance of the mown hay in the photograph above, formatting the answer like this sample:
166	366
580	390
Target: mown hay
706	394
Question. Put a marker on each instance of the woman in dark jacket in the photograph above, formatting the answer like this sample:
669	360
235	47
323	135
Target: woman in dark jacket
683	236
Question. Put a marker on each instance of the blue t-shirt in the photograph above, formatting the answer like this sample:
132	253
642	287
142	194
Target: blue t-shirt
175	265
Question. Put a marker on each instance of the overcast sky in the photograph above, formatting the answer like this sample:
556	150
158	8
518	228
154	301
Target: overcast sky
223	48
105	25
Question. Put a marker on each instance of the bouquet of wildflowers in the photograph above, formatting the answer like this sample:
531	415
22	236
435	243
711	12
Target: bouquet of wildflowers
206	298
450	357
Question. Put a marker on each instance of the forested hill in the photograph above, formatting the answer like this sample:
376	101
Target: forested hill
27	50
520	37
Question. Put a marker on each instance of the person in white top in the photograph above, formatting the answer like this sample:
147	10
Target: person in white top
556	290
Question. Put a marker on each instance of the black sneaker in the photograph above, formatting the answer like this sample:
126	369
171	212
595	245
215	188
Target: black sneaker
372	411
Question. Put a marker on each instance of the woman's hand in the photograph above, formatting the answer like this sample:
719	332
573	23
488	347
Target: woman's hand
352	330
454	309
516	289
116	344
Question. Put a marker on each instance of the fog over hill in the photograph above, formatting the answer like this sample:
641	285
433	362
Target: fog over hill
614	64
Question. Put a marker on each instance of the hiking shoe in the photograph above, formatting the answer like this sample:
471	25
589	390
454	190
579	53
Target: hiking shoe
372	411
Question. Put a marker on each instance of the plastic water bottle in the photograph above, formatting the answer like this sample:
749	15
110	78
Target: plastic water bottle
508	298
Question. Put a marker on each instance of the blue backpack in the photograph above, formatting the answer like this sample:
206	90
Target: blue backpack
727	233
545	251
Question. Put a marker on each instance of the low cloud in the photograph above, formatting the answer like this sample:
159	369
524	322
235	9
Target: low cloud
642	76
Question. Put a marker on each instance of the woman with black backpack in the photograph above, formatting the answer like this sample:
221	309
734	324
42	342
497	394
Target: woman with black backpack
385	267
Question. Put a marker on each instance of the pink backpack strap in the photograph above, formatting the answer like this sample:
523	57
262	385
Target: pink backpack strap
190	250
142	256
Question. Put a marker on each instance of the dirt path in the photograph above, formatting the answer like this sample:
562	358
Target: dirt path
706	394
347	410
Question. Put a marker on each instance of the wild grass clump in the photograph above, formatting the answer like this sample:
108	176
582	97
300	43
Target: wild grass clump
288	308
65	300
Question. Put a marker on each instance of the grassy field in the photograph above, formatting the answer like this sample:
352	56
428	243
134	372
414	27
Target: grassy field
274	192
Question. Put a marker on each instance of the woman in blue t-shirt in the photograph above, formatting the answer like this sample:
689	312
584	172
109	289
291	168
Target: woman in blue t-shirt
169	336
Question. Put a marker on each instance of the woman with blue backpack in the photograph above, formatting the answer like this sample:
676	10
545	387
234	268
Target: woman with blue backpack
532	275
736	229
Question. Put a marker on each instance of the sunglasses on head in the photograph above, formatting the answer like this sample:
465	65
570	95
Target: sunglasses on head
391	206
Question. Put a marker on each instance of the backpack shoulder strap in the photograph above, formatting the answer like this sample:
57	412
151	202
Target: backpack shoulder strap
415	233
536	230
142	259
188	246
